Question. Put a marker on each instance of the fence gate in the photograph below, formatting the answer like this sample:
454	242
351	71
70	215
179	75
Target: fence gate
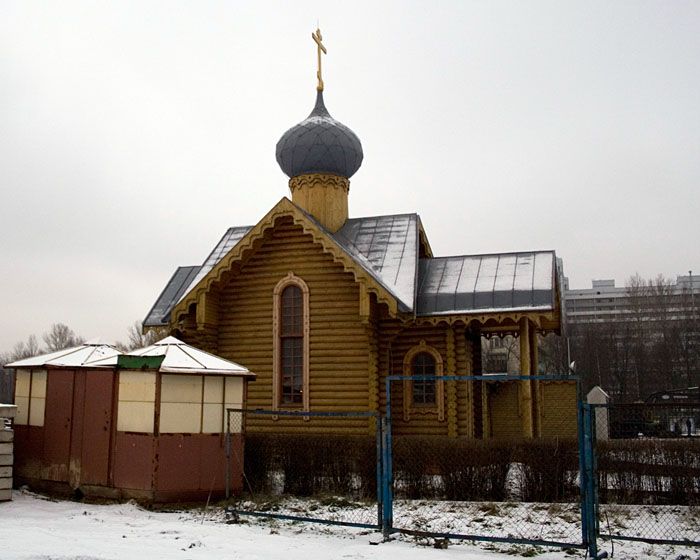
492	484
648	454
295	469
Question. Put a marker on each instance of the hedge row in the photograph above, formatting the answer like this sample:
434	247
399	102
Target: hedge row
649	471
311	464
483	470
635	471
423	467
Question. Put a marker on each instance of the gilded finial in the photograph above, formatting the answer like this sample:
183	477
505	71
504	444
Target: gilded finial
318	38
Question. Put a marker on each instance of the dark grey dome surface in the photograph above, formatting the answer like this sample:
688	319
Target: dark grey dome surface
319	144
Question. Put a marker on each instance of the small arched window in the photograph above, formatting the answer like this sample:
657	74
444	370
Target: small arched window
423	396
423	389
290	321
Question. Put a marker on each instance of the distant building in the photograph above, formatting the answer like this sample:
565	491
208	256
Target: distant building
636	340
605	302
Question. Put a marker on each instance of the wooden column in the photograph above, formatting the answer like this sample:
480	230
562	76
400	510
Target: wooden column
534	370
372	373
465	392
525	385
481	427
451	386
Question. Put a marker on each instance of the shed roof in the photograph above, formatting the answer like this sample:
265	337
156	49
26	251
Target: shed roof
77	356
487	283
178	357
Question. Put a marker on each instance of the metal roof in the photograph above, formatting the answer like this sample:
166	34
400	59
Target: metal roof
387	246
487	283
77	356
187	277
179	357
178	284
230	239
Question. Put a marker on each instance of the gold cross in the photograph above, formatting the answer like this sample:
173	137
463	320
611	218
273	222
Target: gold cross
317	37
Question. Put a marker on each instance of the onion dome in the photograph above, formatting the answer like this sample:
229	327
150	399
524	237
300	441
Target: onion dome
319	144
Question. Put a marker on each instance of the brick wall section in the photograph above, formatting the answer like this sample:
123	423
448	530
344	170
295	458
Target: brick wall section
6	453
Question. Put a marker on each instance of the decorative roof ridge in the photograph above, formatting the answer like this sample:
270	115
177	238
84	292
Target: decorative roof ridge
384	216
507	253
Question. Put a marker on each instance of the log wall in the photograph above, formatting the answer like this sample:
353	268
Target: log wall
339	343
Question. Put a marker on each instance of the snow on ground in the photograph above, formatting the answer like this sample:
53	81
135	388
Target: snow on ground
35	527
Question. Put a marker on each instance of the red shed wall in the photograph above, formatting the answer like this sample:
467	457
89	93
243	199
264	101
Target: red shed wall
134	460
79	445
94	452
196	463
58	420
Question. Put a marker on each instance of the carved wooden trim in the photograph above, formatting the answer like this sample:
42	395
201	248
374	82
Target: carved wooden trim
319	180
290	279
408	406
506	323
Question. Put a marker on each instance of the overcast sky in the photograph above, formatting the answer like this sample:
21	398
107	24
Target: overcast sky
133	134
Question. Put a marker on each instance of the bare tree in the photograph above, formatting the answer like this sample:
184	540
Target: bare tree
20	351
138	339
23	350
639	302
553	356
61	336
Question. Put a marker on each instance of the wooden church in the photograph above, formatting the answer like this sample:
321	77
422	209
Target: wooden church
324	306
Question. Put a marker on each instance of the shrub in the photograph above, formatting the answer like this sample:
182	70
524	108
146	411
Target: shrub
548	470
311	464
455	469
649	471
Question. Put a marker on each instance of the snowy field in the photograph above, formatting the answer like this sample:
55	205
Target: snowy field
34	527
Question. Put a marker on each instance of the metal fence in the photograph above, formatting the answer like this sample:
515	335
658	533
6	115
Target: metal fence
294	463
580	474
505	487
648	454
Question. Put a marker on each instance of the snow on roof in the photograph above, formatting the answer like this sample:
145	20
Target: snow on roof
179	357
77	356
487	283
387	246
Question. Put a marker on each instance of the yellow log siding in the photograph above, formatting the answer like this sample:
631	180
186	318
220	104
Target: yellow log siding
426	423
338	343
558	408
504	410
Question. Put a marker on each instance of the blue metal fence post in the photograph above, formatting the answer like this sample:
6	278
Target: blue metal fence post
228	453
387	476
387	505
589	507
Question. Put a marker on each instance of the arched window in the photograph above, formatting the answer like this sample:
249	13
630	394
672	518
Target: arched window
423	396
290	344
